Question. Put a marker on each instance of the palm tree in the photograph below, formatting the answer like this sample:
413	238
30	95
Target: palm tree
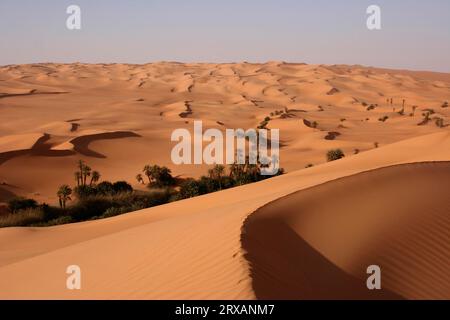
86	173
216	173
63	194
81	165
233	170
94	177
211	173
253	171
78	178
218	170
140	179
148	172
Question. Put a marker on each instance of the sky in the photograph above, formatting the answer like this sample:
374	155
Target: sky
415	34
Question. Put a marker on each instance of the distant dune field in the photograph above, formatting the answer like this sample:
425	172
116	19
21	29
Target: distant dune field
119	117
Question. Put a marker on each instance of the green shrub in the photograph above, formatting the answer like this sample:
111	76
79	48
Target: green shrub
20	203
99	205
22	217
191	188
335	154
54	222
105	188
85	191
122	187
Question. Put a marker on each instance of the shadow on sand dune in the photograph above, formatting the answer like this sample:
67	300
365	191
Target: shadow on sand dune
81	144
40	148
284	266
396	217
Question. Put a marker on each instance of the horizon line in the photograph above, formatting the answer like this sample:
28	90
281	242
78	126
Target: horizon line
232	62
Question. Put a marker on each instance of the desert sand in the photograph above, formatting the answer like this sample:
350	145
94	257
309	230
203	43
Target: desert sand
310	233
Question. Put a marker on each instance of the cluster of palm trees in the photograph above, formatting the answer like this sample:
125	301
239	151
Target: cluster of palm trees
218	179
157	176
84	171
64	193
161	177
246	172
81	177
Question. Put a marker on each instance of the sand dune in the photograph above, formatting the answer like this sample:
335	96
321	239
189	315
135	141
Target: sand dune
367	219
192	249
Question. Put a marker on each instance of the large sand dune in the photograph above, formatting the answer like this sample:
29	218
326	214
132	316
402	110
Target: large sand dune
317	243
211	246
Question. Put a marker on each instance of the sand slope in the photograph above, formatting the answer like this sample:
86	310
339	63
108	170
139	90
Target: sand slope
192	249
317	243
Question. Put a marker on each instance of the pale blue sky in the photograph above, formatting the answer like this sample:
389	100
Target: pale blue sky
415	33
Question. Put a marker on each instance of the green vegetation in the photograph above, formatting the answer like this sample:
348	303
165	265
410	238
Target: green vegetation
63	194
335	154
158	177
20	203
94	200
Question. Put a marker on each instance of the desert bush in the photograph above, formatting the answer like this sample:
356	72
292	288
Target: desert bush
445	104
97	206
54	222
383	119
105	188
439	122
21	203
122	187
22	217
86	208
335	154
85	191
190	188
